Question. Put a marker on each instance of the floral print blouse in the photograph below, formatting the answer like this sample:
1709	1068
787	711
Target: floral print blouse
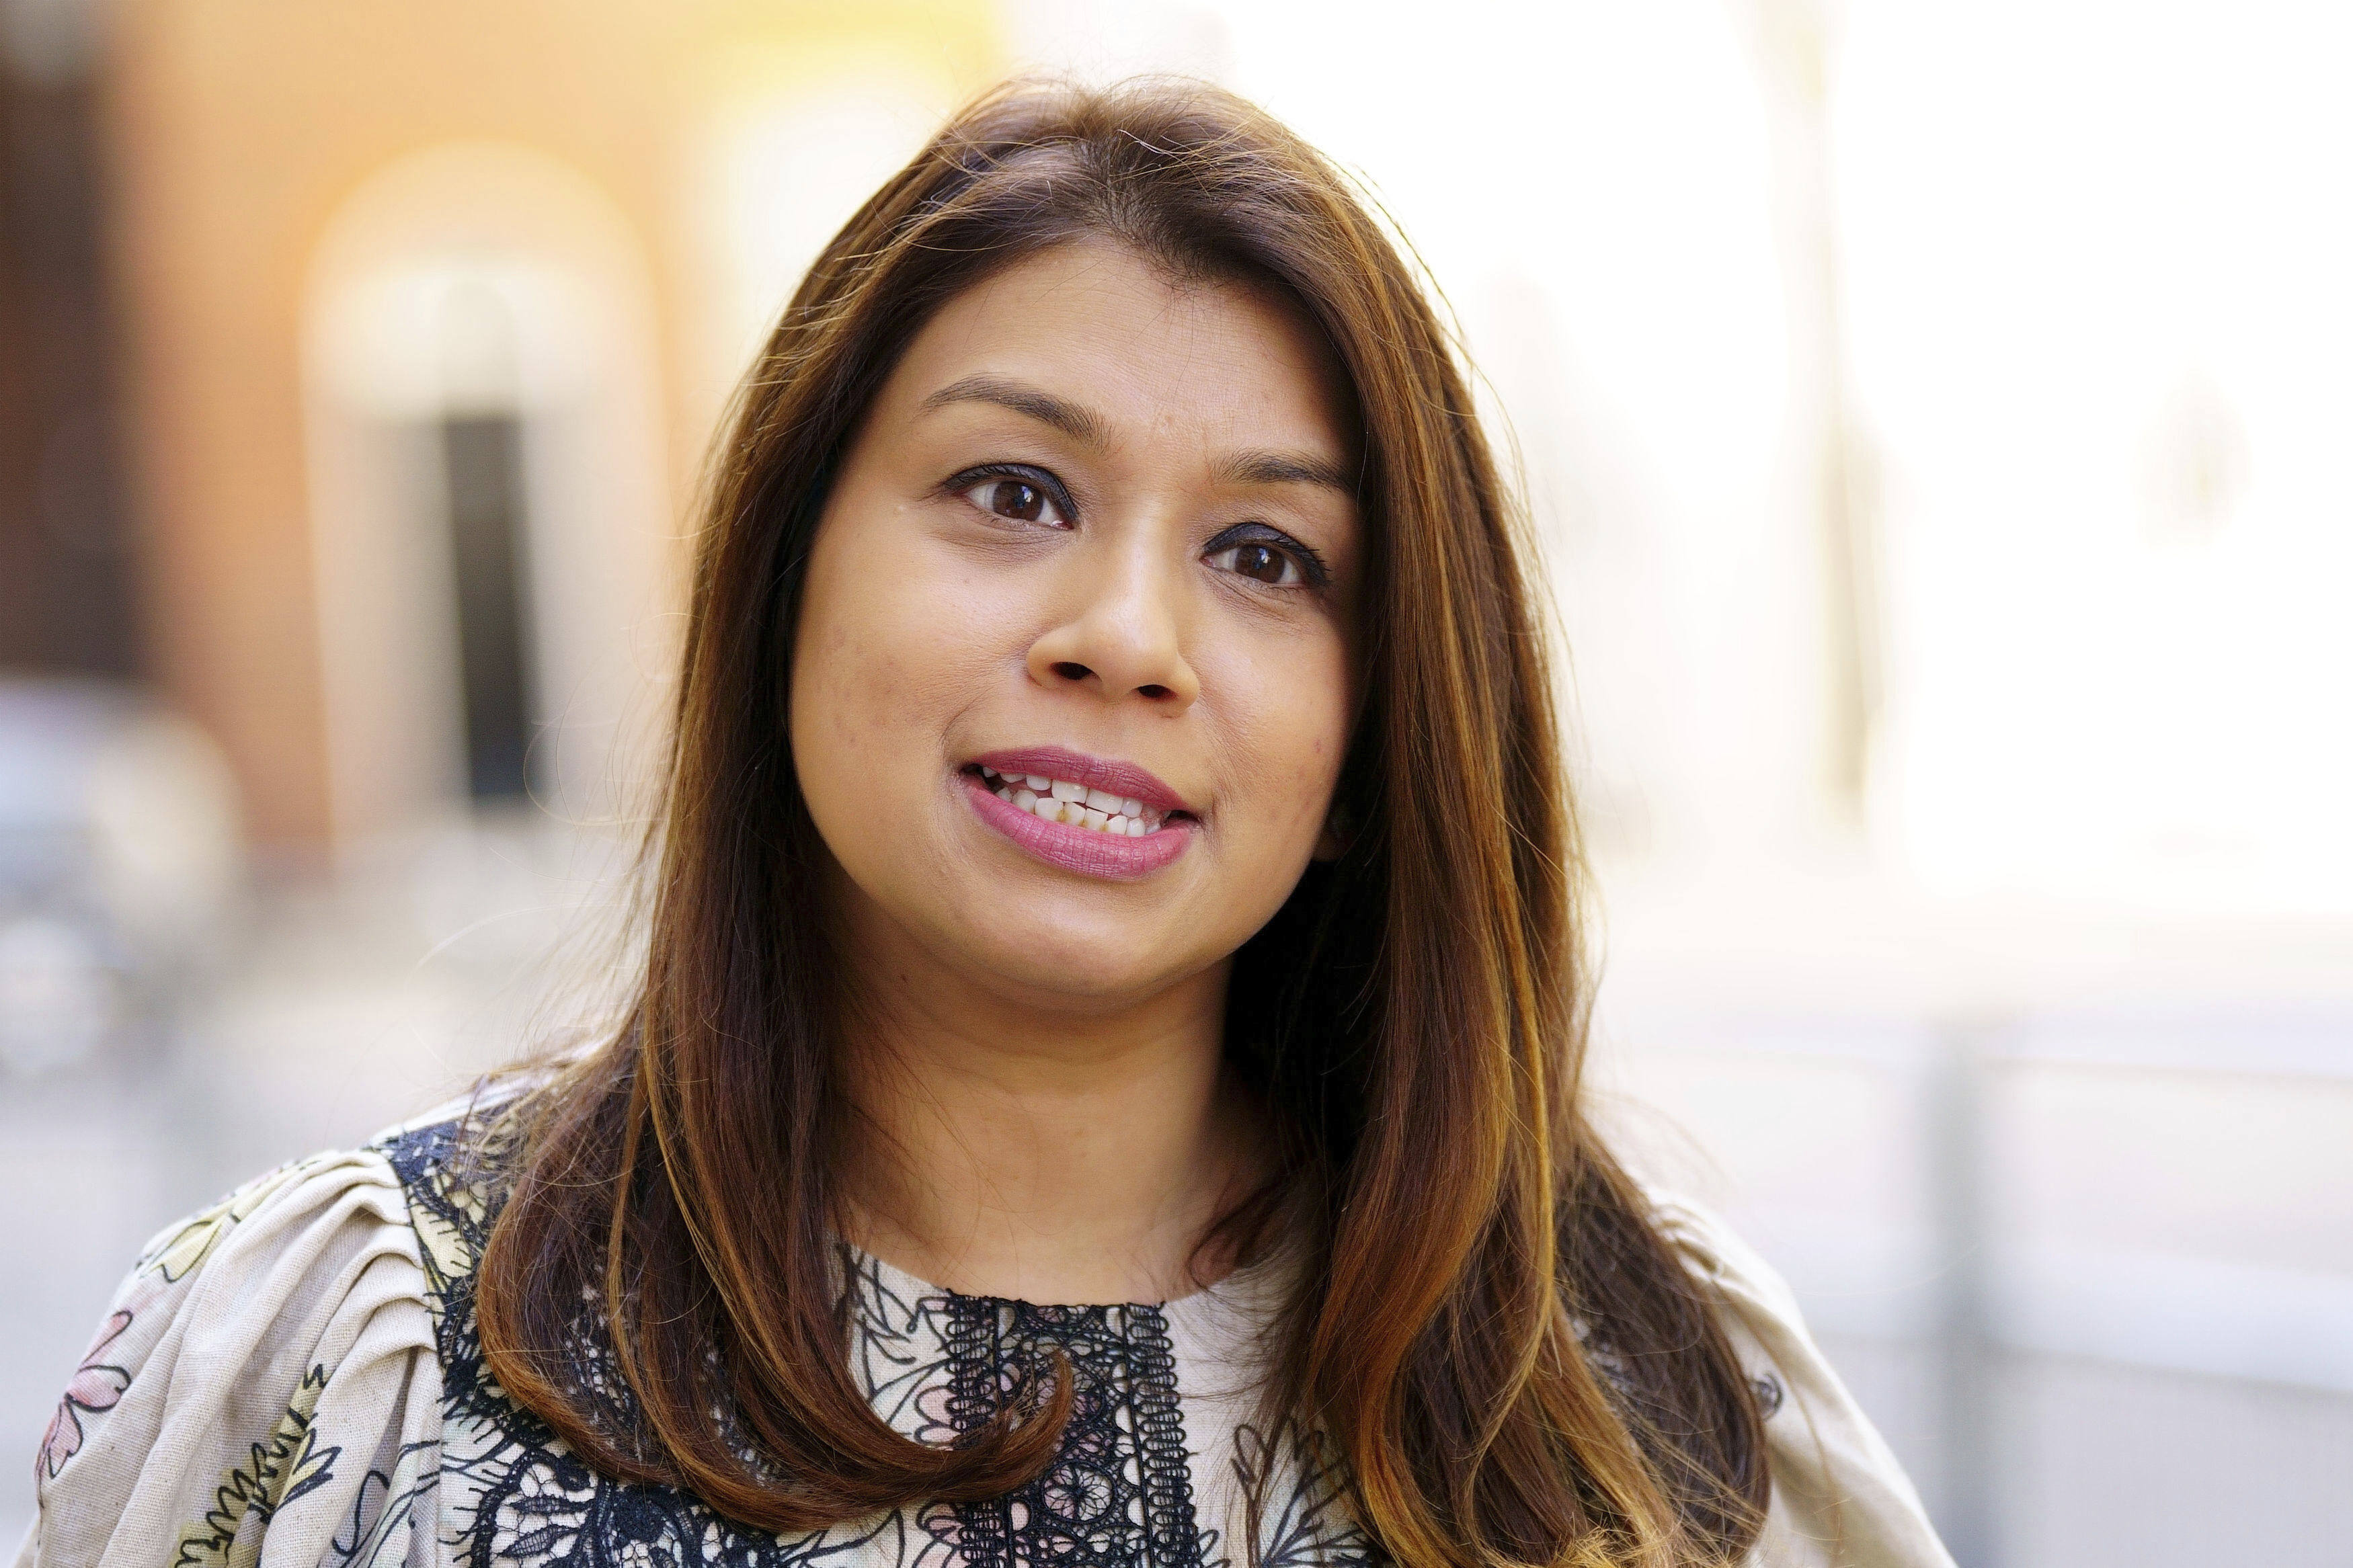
292	1379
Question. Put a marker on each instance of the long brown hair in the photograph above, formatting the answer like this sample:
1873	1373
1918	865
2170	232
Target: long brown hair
1487	1329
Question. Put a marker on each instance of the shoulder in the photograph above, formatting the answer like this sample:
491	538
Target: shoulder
1839	1497
1713	1251
270	1363
453	1164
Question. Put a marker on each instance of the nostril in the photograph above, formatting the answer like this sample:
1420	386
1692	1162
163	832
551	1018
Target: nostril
1154	691
1071	670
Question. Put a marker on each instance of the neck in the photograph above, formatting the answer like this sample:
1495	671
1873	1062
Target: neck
1020	1148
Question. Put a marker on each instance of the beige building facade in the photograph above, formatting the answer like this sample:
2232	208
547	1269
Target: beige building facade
428	312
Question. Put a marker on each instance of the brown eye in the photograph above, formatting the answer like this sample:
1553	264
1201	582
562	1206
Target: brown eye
1260	562
1017	499
1257	560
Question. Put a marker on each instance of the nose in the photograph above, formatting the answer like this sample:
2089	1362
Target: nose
1123	635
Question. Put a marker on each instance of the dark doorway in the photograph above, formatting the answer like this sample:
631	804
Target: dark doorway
66	592
482	456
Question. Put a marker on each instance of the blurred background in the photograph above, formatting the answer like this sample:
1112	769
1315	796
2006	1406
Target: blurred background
1938	423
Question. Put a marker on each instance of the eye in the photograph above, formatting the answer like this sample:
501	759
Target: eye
1017	499
1266	555
1260	563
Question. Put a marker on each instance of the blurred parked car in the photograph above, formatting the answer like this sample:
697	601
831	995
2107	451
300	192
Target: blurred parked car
122	869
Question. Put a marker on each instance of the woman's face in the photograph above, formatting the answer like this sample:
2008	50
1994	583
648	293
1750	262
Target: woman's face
1072	679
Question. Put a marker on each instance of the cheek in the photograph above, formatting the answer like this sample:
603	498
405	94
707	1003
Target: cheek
889	645
1289	729
838	663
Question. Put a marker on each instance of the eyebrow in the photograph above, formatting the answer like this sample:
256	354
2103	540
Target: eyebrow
1287	469
1082	424
1070	418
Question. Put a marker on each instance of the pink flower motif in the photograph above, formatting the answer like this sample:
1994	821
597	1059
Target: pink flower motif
933	1404
942	1544
95	1386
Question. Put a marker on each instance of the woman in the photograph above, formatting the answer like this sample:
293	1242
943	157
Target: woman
1115	855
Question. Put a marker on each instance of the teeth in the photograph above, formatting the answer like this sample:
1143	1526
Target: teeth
1075	805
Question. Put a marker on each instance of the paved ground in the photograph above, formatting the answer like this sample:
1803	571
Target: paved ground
2094	1279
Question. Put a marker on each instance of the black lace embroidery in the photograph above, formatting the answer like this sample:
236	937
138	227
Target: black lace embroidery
1121	1492
537	1504
1308	1525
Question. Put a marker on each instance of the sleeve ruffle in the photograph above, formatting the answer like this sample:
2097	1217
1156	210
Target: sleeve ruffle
263	1391
1839	1497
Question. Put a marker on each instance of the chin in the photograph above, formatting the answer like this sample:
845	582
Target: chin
1077	966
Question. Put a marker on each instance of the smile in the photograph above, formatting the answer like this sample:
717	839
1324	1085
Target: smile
1090	815
1074	805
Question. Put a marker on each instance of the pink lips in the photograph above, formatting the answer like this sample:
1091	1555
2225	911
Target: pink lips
1095	773
1082	850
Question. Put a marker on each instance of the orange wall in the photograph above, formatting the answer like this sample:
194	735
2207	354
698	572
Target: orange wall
236	129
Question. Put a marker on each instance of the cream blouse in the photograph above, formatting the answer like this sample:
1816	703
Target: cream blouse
292	1379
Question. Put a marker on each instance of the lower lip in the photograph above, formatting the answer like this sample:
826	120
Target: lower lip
1112	857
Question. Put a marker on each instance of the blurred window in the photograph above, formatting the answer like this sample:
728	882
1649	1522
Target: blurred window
481	458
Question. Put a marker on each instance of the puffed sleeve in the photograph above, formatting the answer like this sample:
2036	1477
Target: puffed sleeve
1840	1497
264	1392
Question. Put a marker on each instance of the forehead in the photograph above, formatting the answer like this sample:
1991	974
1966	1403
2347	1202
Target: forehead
1228	360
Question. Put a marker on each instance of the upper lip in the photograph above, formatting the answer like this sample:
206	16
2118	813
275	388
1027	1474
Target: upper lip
1095	773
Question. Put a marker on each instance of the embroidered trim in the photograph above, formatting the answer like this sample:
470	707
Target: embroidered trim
1176	1535
1120	1492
